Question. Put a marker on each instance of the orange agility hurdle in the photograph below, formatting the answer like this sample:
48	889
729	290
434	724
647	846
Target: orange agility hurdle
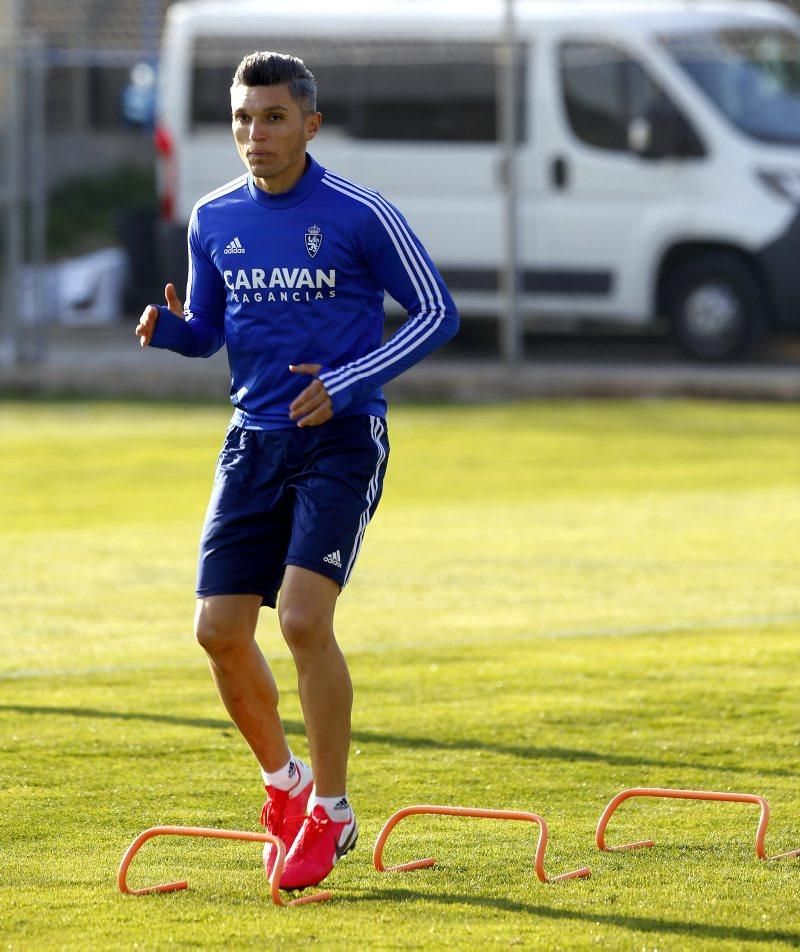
541	844
761	852
274	879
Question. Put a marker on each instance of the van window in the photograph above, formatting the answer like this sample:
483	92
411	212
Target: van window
751	75
400	91
604	88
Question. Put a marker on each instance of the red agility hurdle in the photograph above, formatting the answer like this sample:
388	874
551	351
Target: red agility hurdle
200	831
541	844
761	852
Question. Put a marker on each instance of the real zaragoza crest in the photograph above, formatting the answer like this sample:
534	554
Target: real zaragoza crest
313	240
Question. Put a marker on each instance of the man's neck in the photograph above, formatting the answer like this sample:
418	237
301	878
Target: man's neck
285	181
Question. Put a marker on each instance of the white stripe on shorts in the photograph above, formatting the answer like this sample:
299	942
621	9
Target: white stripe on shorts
377	429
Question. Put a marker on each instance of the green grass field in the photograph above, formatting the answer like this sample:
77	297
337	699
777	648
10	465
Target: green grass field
556	601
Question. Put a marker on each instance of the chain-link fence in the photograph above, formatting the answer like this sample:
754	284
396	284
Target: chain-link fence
23	145
77	187
530	171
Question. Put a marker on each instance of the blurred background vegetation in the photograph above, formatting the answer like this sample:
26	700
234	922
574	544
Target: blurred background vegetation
96	210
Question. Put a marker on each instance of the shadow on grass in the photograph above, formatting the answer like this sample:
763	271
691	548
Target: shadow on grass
92	713
633	923
523	752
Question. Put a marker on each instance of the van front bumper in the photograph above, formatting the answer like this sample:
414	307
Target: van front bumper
780	262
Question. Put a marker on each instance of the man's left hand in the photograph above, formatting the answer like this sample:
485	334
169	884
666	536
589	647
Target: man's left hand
313	406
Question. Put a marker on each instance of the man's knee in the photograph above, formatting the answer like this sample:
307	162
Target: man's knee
220	630
304	628
305	610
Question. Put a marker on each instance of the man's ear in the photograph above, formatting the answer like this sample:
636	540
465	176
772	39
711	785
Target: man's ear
313	122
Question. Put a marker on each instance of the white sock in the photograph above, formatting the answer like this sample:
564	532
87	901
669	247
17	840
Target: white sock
337	808
285	778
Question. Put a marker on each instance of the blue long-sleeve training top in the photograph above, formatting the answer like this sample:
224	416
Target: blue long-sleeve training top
300	278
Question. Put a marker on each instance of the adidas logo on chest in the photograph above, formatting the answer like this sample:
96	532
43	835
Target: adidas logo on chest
234	247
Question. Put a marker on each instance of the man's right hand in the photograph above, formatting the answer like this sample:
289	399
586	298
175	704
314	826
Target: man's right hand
147	322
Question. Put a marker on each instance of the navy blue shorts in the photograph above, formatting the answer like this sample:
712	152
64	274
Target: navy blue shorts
295	496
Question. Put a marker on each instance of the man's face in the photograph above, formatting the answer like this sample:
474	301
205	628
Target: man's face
271	134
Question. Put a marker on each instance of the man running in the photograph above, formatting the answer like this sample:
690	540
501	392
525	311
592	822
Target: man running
288	266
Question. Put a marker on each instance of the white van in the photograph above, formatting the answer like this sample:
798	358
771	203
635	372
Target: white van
659	145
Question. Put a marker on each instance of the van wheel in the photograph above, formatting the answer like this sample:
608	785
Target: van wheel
715	307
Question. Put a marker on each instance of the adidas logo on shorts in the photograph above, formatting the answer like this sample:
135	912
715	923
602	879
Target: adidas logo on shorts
234	247
334	558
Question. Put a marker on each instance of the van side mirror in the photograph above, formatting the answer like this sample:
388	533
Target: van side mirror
640	136
663	133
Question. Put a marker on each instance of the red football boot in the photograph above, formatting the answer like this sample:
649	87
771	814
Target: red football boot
321	842
284	813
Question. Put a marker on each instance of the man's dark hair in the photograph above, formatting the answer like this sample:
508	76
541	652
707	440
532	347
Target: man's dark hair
279	69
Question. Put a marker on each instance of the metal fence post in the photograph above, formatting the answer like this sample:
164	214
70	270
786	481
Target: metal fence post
11	197
37	339
511	329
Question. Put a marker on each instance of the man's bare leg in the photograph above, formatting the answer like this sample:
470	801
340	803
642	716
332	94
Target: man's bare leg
306	608
225	626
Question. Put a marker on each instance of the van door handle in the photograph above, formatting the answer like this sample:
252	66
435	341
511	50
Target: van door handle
559	173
